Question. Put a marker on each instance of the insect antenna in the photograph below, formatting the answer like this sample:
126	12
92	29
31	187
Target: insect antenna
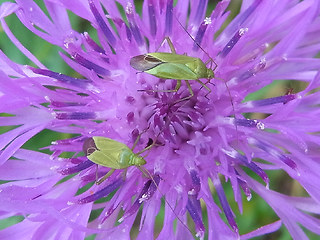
211	59
144	170
146	173
216	65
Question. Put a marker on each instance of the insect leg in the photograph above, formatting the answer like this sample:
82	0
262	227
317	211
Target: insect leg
177	86
190	91
173	50
138	138
143	170
205	86
172	90
212	61
136	141
146	148
101	180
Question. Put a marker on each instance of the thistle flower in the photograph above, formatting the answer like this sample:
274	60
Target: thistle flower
198	143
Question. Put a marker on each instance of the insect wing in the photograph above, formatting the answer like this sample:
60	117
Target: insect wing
106	160
172	58
107	144
144	62
173	71
106	152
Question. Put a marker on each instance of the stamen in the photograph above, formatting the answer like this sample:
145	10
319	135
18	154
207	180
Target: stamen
152	18
102	24
146	193
274	152
269	101
198	39
224	204
169	16
200	11
77	168
194	209
74	115
132	25
243	159
136	205
152	189
244	187
81	83
242	17
128	32
72	39
254	54
196	184
68	141
103	192
92	43
58	104
108	213
233	42
263	65
256	69
248	11
249	123
93	176
90	65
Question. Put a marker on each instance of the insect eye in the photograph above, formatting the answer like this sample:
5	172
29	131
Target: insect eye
89	146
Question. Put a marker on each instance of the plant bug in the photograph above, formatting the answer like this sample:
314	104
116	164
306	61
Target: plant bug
116	155
179	67
174	66
113	154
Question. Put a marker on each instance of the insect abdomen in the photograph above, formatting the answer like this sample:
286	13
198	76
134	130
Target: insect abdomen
124	158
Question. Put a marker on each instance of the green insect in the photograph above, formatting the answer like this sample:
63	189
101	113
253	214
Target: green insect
113	154
116	155
174	66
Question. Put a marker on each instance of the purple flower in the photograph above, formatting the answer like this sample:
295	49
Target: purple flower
201	142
